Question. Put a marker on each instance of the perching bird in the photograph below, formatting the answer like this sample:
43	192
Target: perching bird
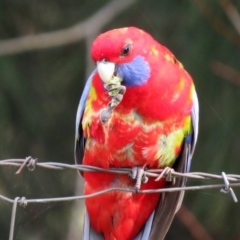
139	109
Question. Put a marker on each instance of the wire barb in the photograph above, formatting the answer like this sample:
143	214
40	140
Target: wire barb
167	173
23	202
30	162
227	188
138	174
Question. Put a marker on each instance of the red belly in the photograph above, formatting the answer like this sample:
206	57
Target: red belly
119	215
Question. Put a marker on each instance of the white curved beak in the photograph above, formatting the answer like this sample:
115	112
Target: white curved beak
106	70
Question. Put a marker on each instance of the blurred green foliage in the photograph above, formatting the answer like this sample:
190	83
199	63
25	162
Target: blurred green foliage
40	91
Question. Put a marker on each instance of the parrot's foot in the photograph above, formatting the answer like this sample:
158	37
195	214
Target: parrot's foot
116	92
138	174
113	89
105	115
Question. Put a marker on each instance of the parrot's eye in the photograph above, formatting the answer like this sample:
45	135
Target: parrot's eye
126	50
105	60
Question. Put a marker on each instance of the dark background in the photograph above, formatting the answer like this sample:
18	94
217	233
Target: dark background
41	80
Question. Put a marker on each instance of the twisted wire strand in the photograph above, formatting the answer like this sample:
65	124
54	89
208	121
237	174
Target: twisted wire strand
228	180
149	172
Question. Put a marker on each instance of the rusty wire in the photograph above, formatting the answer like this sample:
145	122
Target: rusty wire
228	181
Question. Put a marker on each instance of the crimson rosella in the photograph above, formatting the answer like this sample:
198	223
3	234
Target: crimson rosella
139	109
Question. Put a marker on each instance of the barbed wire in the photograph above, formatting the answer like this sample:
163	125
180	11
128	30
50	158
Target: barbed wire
137	173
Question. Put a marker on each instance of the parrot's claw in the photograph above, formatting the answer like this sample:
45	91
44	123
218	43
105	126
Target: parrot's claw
112	89
138	174
105	114
116	92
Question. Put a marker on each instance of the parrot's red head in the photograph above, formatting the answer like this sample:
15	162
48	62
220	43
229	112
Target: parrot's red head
120	45
146	68
123	52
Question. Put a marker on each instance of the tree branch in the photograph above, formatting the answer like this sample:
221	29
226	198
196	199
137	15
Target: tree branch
224	71
192	224
232	13
67	36
216	22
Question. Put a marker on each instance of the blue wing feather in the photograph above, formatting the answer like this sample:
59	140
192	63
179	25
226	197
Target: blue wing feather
79	138
195	120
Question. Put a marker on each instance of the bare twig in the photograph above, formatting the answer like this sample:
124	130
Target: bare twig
192	224
67	36
216	22
232	13
224	71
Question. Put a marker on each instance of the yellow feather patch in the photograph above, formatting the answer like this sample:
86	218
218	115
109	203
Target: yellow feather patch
180	64
181	84
164	151
89	110
166	154
92	94
191	93
154	51
169	58
187	126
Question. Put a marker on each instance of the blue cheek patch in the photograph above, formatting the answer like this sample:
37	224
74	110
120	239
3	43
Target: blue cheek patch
134	73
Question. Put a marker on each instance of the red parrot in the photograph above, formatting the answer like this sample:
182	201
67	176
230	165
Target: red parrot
139	109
